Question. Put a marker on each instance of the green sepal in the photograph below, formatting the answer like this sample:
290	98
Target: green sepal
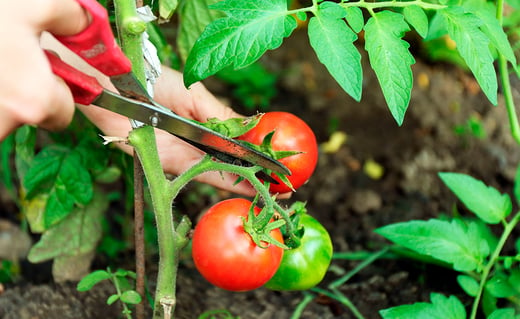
293	240
259	227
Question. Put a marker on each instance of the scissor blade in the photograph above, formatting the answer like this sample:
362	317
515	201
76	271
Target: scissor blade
213	143
129	86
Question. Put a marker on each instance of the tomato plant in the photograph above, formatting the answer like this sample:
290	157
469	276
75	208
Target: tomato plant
226	255
290	134
305	266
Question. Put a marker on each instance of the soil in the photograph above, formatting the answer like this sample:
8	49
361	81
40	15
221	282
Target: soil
349	201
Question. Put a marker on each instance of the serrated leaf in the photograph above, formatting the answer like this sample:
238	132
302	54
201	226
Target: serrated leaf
77	234
92	279
440	307
390	59
332	40
484	201
355	19
486	11
468	284
473	45
453	242
241	38
59	173
417	18
331	10
130	297
167	8
194	17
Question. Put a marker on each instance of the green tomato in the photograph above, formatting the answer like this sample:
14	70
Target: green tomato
305	266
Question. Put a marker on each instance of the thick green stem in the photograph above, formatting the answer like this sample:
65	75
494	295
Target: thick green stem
492	261
171	239
130	29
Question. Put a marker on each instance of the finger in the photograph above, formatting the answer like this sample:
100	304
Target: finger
67	18
61	107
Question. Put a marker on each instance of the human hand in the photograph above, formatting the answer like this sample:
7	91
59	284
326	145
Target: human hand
176	155
29	92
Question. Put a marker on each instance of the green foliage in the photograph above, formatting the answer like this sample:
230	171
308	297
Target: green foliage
253	85
486	202
469	247
250	28
454	242
333	42
390	59
120	280
440	307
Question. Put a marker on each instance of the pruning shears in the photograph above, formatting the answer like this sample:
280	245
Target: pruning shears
97	46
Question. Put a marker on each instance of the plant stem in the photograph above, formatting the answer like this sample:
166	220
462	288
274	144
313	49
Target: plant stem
140	259
131	44
336	295
370	6
126	311
492	260
171	240
506	85
373	257
307	298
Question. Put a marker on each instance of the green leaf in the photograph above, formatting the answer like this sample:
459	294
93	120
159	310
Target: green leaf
453	242
504	313
390	59
130	297
491	27
473	45
250	29
194	17
468	284
486	202
92	279
112	299
355	19
441	307
500	287
167	8
60	173
417	18
25	138
332	40
77	234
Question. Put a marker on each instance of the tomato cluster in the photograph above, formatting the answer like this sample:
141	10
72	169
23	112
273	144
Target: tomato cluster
223	250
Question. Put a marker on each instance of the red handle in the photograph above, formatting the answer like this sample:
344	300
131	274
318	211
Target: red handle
96	44
84	88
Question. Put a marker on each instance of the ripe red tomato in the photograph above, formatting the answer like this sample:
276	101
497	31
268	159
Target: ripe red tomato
291	134
226	255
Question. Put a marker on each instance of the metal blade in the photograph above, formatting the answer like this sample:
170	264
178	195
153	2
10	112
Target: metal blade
218	145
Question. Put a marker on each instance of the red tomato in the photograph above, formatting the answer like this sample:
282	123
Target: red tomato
291	134
226	255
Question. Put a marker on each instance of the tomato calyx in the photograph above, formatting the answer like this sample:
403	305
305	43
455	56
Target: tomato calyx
292	239
259	226
267	148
